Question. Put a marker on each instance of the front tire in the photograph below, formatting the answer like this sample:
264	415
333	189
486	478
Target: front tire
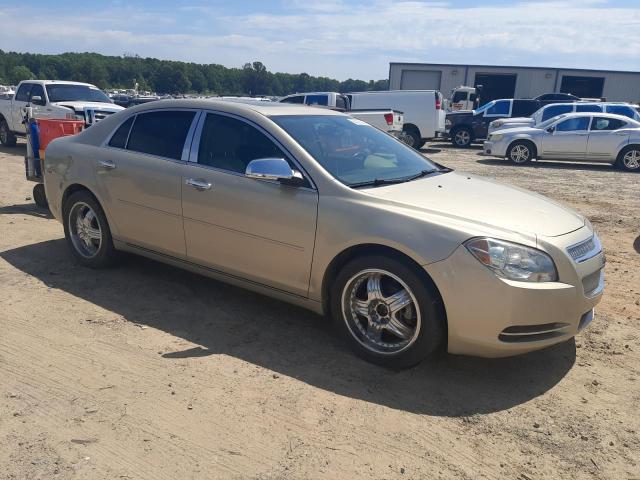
387	312
461	137
39	196
629	159
87	231
7	138
520	152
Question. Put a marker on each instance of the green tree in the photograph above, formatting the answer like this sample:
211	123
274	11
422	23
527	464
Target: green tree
20	73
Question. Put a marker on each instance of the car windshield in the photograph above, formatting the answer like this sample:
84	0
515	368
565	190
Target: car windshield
353	151
548	122
73	93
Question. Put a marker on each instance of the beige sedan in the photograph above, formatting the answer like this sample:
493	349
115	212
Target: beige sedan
324	211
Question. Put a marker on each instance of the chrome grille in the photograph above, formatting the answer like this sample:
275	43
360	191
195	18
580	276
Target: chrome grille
585	250
92	116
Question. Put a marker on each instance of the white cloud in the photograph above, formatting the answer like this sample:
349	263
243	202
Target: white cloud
346	39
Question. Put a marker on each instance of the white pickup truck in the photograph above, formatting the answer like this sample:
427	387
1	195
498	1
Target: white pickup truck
387	120
52	99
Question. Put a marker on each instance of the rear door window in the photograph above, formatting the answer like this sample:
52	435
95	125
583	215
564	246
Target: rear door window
604	123
588	108
554	110
22	95
161	133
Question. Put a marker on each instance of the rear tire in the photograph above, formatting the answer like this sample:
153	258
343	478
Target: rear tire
521	152
7	138
387	312
461	137
629	159
413	138
87	231
39	196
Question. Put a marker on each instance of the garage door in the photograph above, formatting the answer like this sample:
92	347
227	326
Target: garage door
420	80
587	87
495	85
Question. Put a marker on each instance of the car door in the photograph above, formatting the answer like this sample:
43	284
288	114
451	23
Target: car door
258	230
567	139
606	136
20	100
40	109
138	174
500	109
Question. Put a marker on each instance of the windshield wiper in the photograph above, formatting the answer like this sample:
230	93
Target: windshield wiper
389	181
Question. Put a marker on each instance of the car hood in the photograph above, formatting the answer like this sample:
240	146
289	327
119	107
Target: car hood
484	202
80	105
507	129
506	121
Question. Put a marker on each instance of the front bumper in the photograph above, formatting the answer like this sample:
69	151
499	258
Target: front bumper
494	149
493	317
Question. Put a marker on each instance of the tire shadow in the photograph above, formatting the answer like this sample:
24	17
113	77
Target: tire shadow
223	319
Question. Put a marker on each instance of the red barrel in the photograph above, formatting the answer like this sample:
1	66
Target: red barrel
53	128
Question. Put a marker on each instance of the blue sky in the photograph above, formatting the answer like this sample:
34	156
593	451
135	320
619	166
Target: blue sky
336	38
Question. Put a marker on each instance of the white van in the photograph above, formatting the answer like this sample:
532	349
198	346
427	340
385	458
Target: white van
423	110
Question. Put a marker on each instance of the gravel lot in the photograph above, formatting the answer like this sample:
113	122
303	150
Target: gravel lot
148	372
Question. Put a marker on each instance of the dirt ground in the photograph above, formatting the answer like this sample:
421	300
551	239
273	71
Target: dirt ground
149	372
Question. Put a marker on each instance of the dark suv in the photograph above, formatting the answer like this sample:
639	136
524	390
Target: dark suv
466	127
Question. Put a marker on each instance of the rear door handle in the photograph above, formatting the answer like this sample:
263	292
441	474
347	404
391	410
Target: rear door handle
109	164
198	184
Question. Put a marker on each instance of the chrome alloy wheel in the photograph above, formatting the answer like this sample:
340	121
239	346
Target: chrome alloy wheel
631	160
84	229
462	138
520	153
381	311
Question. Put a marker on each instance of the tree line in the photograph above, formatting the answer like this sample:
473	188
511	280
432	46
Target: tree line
166	76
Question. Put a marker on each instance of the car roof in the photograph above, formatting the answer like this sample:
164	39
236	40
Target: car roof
267	109
624	104
61	82
566	116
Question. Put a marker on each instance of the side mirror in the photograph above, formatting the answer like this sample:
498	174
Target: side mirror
37	100
551	129
274	169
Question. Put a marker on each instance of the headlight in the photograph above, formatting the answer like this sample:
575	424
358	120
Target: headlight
447	122
513	261
497	123
495	137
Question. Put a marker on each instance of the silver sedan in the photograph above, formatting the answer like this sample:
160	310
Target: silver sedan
591	137
327	212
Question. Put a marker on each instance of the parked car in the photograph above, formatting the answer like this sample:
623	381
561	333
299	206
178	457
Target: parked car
423	110
386	119
466	127
306	205
590	137
52	99
550	111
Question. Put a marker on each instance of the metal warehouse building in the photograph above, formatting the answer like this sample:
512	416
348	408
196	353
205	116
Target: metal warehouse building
516	82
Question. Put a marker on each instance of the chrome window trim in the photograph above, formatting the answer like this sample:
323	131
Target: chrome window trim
592	252
195	147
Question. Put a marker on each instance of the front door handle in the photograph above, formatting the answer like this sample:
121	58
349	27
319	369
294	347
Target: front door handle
109	164
198	184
